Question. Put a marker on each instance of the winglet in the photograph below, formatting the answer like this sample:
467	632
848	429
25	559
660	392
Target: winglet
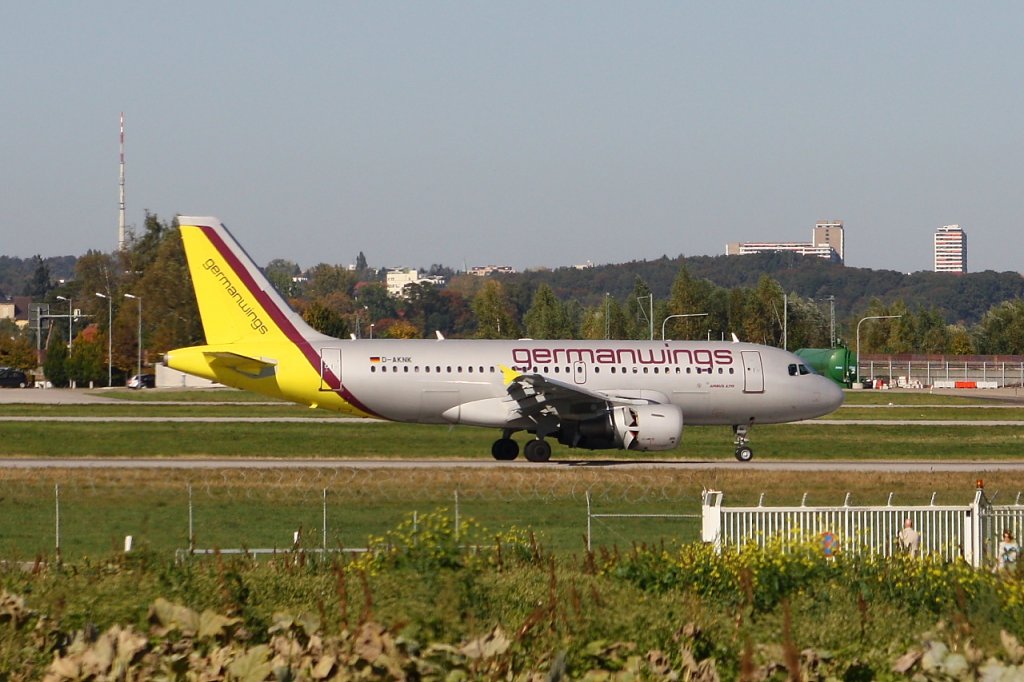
509	375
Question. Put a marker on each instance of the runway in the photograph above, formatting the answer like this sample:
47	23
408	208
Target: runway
865	466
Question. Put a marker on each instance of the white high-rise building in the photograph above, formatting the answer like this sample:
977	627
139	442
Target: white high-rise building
950	249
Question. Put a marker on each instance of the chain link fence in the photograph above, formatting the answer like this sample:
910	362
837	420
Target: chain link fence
90	513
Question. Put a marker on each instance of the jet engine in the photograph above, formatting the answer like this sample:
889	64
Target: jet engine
643	428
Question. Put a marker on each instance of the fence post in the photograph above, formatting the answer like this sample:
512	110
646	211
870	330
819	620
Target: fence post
588	520
56	502
973	544
191	528
711	518
325	522
456	515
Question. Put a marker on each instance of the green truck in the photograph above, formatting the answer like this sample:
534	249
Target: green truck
838	364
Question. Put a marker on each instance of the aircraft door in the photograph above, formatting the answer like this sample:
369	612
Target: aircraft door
330	369
579	372
753	372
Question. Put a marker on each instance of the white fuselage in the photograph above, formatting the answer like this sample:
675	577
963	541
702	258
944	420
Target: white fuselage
712	382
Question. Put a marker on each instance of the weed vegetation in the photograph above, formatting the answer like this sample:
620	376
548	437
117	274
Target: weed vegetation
438	600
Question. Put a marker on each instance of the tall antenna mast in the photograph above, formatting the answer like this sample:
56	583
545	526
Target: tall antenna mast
120	217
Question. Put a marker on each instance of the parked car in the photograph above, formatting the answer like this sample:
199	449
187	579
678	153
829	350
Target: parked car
12	378
142	381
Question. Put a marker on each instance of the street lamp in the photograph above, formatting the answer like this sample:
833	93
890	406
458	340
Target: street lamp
62	298
682	315
138	371
371	330
864	319
110	338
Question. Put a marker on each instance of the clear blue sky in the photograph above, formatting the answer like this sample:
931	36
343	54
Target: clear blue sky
522	133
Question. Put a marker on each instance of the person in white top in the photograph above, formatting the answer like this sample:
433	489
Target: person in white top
1008	551
909	539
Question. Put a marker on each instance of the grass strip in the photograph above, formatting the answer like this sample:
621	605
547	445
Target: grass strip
374	439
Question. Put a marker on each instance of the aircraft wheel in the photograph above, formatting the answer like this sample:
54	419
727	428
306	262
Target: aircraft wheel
505	449
744	454
538	451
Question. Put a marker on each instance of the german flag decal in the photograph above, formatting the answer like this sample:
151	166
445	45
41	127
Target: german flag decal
374	358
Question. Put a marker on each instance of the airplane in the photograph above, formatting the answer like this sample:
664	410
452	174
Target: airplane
595	395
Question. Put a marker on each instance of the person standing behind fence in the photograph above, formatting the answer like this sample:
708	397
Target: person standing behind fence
910	540
1008	551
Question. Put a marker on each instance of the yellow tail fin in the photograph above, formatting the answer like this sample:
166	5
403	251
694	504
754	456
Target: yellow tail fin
236	302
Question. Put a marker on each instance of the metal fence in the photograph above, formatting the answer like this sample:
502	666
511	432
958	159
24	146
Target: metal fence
900	371
969	532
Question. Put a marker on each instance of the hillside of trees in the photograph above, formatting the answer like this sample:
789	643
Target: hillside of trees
959	299
776	299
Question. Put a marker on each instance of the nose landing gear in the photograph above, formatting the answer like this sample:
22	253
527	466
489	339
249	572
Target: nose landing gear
744	452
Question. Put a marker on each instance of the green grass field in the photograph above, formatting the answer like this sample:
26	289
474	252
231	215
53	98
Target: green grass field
263	509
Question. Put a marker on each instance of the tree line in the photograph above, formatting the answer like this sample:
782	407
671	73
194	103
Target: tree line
669	297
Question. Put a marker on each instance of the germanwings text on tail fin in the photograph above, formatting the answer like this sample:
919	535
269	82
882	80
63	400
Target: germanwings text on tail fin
631	395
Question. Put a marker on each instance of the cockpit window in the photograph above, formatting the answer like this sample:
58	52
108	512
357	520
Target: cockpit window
800	369
804	369
792	370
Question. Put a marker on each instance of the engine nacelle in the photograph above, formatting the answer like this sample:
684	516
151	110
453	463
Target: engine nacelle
643	428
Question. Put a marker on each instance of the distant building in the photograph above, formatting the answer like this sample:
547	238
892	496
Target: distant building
17	310
400	278
950	249
827	241
484	270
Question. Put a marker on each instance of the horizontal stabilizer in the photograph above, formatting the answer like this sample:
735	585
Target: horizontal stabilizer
256	368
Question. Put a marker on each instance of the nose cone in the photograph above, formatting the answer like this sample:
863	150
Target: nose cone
828	396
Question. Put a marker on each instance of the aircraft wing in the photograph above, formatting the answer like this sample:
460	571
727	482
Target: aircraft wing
537	394
254	367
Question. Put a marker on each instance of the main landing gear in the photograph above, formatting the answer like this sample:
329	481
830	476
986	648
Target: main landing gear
744	452
537	450
505	449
